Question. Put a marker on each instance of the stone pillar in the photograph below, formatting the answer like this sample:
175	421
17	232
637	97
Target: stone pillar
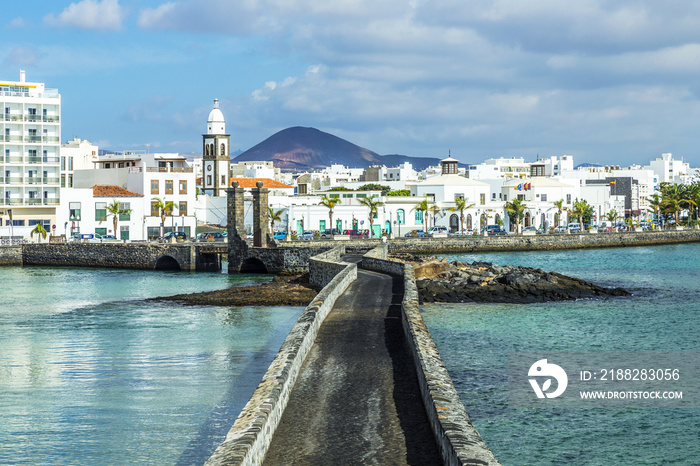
261	216
235	214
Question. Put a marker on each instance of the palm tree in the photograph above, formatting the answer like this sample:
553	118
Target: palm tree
611	217
40	231
560	208
275	216
581	210
673	196
461	206
115	210
435	210
655	204
329	203
373	206
423	206
516	208
694	199
164	208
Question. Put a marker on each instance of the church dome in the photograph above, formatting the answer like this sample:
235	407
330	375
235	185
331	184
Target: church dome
216	124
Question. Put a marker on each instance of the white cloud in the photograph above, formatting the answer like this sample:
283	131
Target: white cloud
16	23
105	15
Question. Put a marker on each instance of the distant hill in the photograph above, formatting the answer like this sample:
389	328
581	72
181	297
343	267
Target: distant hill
301	149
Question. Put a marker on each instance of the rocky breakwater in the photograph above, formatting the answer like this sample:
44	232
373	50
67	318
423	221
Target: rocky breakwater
484	282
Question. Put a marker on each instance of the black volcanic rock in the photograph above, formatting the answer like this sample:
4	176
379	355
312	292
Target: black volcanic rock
300	148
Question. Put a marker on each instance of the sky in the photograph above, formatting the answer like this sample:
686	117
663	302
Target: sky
609	82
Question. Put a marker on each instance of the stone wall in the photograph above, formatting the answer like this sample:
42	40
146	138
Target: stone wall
456	437
249	439
461	244
11	255
323	267
119	255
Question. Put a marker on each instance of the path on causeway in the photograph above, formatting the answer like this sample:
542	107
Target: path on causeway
356	400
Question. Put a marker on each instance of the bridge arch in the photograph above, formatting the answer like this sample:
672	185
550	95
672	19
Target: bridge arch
253	265
167	263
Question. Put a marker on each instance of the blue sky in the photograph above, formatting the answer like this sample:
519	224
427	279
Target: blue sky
605	81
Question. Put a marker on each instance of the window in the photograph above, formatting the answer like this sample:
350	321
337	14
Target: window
153	232
347	196
154	209
125	206
74	211
101	231
493	196
182	208
322	225
419	216
301	189
100	210
124	232
401	216
208	180
168	186
223	180
505	198
183	186
70	163
521	197
223	149
482	198
155	189
568	198
543	198
63	180
334	196
459	196
63	163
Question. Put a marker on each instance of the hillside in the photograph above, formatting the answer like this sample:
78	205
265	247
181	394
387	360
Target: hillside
301	149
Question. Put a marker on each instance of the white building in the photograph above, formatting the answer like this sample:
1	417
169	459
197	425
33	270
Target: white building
216	156
499	168
76	154
30	143
167	177
669	170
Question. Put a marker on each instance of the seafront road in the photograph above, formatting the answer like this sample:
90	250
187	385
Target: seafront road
356	400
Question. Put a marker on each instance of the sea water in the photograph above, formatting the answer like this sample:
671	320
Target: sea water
663	314
93	373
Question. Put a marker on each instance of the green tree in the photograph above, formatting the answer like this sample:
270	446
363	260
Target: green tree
340	188
655	204
582	211
164	208
460	206
373	205
560	208
115	210
399	192
375	187
516	209
611	217
329	203
40	232
435	211
275	216
673	196
423	206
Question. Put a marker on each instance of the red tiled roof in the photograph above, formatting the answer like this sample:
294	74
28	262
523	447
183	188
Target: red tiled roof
110	190
267	183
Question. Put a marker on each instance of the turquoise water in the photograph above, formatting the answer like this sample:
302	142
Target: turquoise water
662	315
91	373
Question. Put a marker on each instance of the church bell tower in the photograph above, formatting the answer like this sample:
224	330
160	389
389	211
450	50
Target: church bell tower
216	157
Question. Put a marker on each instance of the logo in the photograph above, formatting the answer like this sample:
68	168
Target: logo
543	369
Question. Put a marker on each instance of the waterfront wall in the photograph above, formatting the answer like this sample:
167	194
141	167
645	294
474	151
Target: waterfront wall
470	244
11	255
249	439
458	440
115	255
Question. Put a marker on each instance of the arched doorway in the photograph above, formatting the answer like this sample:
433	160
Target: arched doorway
469	221
454	223
167	263
253	265
387	227
527	219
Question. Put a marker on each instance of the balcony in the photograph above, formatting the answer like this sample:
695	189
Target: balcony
51	180
14	180
52	159
34	159
169	169
10	201
32	139
51	139
13	138
14	159
32	201
52	201
51	119
33	180
13	117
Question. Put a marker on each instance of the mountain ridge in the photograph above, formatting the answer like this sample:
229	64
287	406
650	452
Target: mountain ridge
302	148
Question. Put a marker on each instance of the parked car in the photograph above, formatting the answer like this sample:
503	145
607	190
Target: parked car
438	230
356	234
279	235
327	233
530	230
411	233
495	230
574	227
307	235
177	235
108	238
560	229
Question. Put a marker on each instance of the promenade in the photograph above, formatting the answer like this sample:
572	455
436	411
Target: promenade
357	399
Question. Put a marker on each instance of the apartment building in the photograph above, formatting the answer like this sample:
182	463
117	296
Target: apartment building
29	162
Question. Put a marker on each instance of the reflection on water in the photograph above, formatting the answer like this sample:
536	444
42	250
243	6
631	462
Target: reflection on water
92	373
